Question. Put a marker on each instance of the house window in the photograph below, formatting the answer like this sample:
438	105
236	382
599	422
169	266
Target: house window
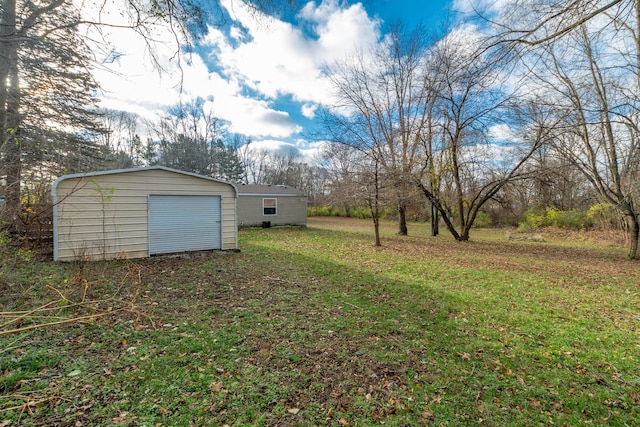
269	206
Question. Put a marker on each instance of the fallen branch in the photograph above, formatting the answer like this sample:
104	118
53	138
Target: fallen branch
113	304
28	404
61	322
27	313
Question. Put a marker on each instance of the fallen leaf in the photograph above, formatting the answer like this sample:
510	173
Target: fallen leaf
534	402
336	393
344	422
293	411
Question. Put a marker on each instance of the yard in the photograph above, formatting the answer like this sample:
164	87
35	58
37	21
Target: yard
316	326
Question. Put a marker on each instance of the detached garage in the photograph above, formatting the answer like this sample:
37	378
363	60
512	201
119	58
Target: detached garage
134	213
271	204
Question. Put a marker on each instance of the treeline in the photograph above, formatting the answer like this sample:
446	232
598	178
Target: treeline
601	217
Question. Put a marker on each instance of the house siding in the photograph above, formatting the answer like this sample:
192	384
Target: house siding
291	210
104	215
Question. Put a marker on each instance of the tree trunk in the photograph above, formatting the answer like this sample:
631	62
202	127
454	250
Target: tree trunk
10	149
447	221
402	220
7	47
633	230
376	230
464	234
435	220
435	204
375	210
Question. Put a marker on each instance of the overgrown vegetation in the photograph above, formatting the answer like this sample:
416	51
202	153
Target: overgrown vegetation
601	216
315	326
358	212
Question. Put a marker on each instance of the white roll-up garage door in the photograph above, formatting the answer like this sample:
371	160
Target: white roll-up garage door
184	223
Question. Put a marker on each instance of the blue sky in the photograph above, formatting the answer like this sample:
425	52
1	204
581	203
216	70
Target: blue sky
431	13
261	75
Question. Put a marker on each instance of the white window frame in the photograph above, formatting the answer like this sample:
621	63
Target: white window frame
275	207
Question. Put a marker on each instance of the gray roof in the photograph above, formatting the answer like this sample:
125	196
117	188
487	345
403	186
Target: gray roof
116	171
271	190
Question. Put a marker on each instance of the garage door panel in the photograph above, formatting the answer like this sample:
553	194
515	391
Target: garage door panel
179	223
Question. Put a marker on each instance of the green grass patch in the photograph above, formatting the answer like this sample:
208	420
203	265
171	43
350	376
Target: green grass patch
317	326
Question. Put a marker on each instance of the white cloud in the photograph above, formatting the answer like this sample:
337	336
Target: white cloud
503	133
273	146
280	59
236	33
131	85
260	60
309	110
484	7
341	30
465	37
310	152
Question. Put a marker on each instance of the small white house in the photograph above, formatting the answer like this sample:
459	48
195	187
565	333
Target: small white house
267	205
134	213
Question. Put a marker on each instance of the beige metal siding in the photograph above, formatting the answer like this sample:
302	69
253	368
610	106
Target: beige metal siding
291	210
105	215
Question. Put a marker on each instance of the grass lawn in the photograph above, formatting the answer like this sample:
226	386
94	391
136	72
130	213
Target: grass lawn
317	326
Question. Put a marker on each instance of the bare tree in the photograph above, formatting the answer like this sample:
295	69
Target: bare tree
341	163
356	181
314	180
256	164
465	166
121	137
584	56
284	168
527	23
599	131
354	131
381	108
191	138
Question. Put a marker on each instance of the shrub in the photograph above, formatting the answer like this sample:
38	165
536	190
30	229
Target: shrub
483	220
553	217
359	212
362	213
534	218
572	219
318	211
603	216
338	212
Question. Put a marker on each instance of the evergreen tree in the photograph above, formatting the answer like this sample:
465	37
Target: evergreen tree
47	108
